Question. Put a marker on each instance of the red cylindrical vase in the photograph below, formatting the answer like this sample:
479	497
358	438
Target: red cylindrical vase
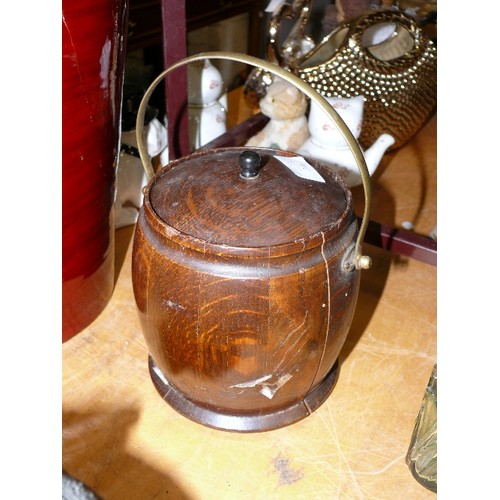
93	58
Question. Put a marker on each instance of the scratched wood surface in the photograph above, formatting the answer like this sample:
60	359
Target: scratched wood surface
124	441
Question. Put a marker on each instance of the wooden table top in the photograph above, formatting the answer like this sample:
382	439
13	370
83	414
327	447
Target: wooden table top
123	441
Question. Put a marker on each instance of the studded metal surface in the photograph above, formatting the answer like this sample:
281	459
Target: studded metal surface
400	94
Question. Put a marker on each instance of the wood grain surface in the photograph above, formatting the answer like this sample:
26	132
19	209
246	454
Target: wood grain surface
124	441
242	287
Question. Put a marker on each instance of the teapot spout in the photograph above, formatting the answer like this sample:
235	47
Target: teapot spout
374	153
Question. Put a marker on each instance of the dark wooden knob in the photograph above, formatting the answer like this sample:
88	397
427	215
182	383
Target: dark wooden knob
249	164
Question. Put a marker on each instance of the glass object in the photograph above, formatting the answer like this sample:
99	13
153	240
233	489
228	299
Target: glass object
282	52
422	453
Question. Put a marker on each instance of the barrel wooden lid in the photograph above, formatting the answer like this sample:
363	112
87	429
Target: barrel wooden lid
204	195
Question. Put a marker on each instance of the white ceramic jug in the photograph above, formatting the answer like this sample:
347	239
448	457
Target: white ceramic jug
207	102
327	144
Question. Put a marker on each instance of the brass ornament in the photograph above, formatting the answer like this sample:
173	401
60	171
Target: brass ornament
397	76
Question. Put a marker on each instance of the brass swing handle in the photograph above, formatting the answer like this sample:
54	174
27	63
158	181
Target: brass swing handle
360	261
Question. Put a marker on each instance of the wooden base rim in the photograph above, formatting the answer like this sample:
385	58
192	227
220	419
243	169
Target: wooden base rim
241	422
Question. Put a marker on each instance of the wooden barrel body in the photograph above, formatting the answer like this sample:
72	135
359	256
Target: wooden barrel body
242	288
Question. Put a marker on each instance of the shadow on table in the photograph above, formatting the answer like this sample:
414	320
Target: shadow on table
383	210
95	453
419	146
373	280
371	288
123	239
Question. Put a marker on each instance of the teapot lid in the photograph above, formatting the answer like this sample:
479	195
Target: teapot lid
247	198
